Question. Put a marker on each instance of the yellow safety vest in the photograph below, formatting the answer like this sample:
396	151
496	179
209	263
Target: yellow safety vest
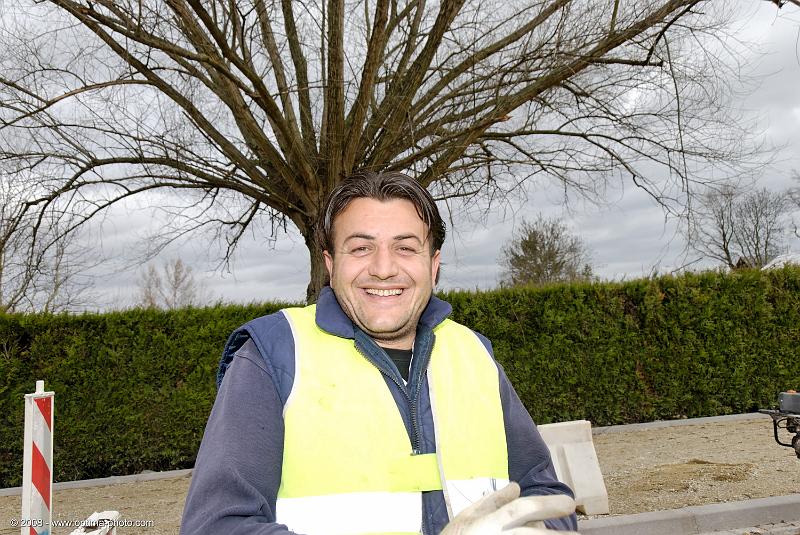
348	466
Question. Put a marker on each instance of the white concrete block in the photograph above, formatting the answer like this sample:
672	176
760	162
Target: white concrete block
576	464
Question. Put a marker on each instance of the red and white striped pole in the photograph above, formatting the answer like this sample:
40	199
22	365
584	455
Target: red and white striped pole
37	472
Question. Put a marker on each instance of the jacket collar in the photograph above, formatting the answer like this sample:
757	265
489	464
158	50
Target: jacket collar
331	318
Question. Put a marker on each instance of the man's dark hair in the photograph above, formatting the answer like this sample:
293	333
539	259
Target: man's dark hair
382	187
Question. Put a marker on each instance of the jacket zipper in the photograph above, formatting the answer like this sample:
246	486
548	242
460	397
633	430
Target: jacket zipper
415	412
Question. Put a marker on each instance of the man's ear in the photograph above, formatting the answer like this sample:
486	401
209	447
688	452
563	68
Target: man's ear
328	262
435	261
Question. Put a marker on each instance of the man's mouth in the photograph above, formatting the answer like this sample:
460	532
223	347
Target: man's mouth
383	293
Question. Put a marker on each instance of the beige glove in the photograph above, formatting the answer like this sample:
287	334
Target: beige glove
504	513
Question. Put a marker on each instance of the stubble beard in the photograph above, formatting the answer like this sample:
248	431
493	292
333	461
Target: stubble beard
407	329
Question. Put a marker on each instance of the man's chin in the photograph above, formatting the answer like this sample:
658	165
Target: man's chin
387	334
380	332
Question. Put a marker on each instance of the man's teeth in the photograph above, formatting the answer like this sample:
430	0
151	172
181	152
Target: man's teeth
384	293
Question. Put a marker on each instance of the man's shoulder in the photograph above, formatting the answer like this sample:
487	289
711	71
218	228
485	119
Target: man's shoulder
265	323
466	330
271	335
271	332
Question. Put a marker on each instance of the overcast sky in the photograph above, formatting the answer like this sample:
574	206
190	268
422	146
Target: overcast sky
628	238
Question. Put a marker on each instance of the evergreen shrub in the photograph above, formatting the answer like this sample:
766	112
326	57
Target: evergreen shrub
663	348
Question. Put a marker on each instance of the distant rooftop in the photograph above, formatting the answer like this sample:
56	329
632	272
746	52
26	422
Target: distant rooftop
783	260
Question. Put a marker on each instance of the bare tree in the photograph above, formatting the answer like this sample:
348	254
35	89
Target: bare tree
740	228
39	278
249	112
171	288
761	225
542	252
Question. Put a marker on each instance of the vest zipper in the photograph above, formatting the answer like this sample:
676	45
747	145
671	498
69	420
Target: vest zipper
415	440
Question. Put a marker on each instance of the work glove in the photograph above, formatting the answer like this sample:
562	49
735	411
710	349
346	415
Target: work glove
503	512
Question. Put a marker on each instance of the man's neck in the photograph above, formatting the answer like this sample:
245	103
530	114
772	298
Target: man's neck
401	359
399	344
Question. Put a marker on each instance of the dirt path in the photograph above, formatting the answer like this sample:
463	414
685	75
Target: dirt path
644	470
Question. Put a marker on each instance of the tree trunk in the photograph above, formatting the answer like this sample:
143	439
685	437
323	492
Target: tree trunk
319	274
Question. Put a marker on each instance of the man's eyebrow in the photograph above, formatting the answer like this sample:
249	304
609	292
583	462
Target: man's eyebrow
400	237
359	235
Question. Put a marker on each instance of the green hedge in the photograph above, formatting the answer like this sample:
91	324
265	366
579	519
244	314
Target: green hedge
672	347
134	389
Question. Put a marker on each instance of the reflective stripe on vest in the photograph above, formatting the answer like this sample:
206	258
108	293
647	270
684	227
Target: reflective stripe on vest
347	462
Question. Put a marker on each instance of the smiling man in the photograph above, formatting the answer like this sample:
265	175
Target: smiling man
371	412
382	265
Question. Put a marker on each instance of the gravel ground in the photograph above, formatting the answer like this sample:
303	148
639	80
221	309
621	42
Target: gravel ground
644	470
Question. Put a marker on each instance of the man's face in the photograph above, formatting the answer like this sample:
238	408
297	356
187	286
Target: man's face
381	268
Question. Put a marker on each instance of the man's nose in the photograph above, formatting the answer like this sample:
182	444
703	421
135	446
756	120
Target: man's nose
383	265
